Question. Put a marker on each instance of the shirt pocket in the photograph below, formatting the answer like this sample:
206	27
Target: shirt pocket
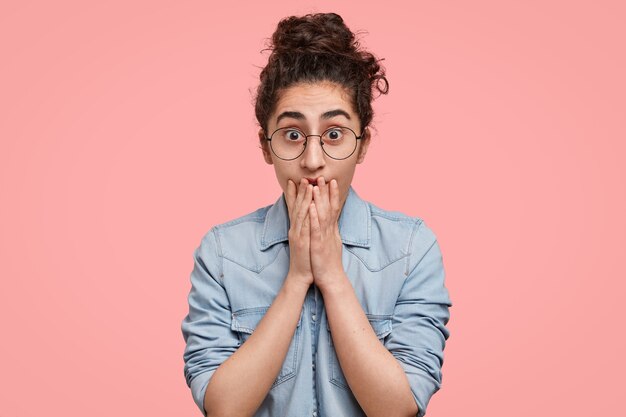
382	328
245	321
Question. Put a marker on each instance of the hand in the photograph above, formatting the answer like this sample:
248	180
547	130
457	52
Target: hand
326	245
299	232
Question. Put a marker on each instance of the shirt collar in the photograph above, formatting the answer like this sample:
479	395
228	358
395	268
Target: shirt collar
354	222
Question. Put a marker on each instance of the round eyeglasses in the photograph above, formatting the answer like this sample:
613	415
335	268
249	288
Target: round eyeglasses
337	142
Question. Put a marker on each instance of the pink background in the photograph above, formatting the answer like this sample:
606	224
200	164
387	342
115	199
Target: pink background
127	131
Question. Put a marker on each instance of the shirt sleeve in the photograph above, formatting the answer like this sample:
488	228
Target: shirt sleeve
421	313
207	327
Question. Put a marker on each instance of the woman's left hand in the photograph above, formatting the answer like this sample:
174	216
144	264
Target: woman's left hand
326	245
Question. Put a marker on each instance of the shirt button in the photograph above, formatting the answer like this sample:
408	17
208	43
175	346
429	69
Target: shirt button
314	413
313	317
313	366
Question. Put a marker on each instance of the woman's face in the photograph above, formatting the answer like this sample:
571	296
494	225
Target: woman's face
307	107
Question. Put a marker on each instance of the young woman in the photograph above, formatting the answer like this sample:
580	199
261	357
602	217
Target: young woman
321	304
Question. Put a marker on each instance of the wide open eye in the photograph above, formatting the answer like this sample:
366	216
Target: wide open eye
291	135
334	135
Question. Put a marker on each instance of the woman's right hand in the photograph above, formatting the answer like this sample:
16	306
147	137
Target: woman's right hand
298	202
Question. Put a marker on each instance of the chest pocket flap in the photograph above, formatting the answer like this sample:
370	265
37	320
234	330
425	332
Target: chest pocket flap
245	321
381	326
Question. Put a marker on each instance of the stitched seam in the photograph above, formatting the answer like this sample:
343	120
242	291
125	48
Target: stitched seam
399	218
354	242
266	244
252	217
379	317
418	224
424	255
416	266
257	269
369	222
254	311
220	254
381	268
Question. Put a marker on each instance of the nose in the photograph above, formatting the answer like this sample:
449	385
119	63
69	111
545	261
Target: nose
313	157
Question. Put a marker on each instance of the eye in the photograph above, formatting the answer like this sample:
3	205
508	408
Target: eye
334	134
292	135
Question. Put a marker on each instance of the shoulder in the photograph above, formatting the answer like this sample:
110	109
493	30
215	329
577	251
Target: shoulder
407	236
392	218
248	222
390	221
243	240
242	228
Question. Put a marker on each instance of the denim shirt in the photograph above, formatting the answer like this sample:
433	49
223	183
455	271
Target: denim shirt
395	266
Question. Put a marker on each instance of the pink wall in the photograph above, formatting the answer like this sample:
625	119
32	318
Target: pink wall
124	126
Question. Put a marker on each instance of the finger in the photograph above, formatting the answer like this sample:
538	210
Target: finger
303	210
324	188
324	209
334	198
301	190
290	196
321	207
316	232
299	198
306	224
308	195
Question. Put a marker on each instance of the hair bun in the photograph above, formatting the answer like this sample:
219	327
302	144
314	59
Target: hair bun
315	48
317	33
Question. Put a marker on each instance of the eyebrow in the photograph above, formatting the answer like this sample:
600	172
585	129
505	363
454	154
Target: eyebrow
299	116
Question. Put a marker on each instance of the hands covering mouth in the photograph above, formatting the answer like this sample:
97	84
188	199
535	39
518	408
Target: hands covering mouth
314	240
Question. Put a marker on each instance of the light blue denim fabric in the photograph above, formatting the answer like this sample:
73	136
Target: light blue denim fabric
395	266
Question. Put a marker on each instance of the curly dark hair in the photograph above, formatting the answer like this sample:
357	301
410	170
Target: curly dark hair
316	48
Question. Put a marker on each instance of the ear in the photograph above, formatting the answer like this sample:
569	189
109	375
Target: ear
365	143
265	147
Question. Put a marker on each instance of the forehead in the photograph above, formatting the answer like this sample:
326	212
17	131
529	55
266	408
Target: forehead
314	101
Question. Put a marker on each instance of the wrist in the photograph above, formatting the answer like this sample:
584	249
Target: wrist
296	285
336	286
